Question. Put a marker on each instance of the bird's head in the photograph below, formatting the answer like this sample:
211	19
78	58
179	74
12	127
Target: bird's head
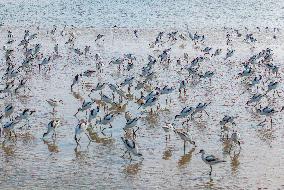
201	151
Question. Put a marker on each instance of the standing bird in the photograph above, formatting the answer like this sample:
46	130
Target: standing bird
186	137
235	139
130	124
81	127
131	147
52	125
167	128
76	80
210	160
93	114
54	103
85	106
99	36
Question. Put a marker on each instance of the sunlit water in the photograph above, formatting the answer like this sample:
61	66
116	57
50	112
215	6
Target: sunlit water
143	14
31	163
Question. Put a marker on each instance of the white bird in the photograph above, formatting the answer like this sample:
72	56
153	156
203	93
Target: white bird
210	160
168	127
54	103
79	129
185	136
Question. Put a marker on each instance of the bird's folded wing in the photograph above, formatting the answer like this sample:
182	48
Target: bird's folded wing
211	158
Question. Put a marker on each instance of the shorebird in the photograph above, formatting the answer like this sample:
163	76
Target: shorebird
182	86
9	128
93	114
235	139
207	74
267	111
76	80
107	119
166	90
227	119
25	115
79	129
54	103
186	111
130	124
229	54
127	81
185	136
131	147
22	84
85	106
149	102
272	86
52	125
225	129
99	36
255	98
44	62
200	108
167	128
210	160
99	87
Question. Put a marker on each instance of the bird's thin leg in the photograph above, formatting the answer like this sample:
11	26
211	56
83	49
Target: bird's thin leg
124	153
210	170
262	122
206	113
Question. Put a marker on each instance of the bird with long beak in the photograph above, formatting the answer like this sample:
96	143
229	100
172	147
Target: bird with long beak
185	136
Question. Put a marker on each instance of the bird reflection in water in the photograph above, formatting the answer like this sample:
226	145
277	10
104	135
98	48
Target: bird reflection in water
226	146
51	146
167	154
79	154
77	95
186	158
266	135
235	161
132	168
8	148
95	137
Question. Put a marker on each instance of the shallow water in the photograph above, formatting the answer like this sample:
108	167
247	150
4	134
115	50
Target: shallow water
143	14
30	162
